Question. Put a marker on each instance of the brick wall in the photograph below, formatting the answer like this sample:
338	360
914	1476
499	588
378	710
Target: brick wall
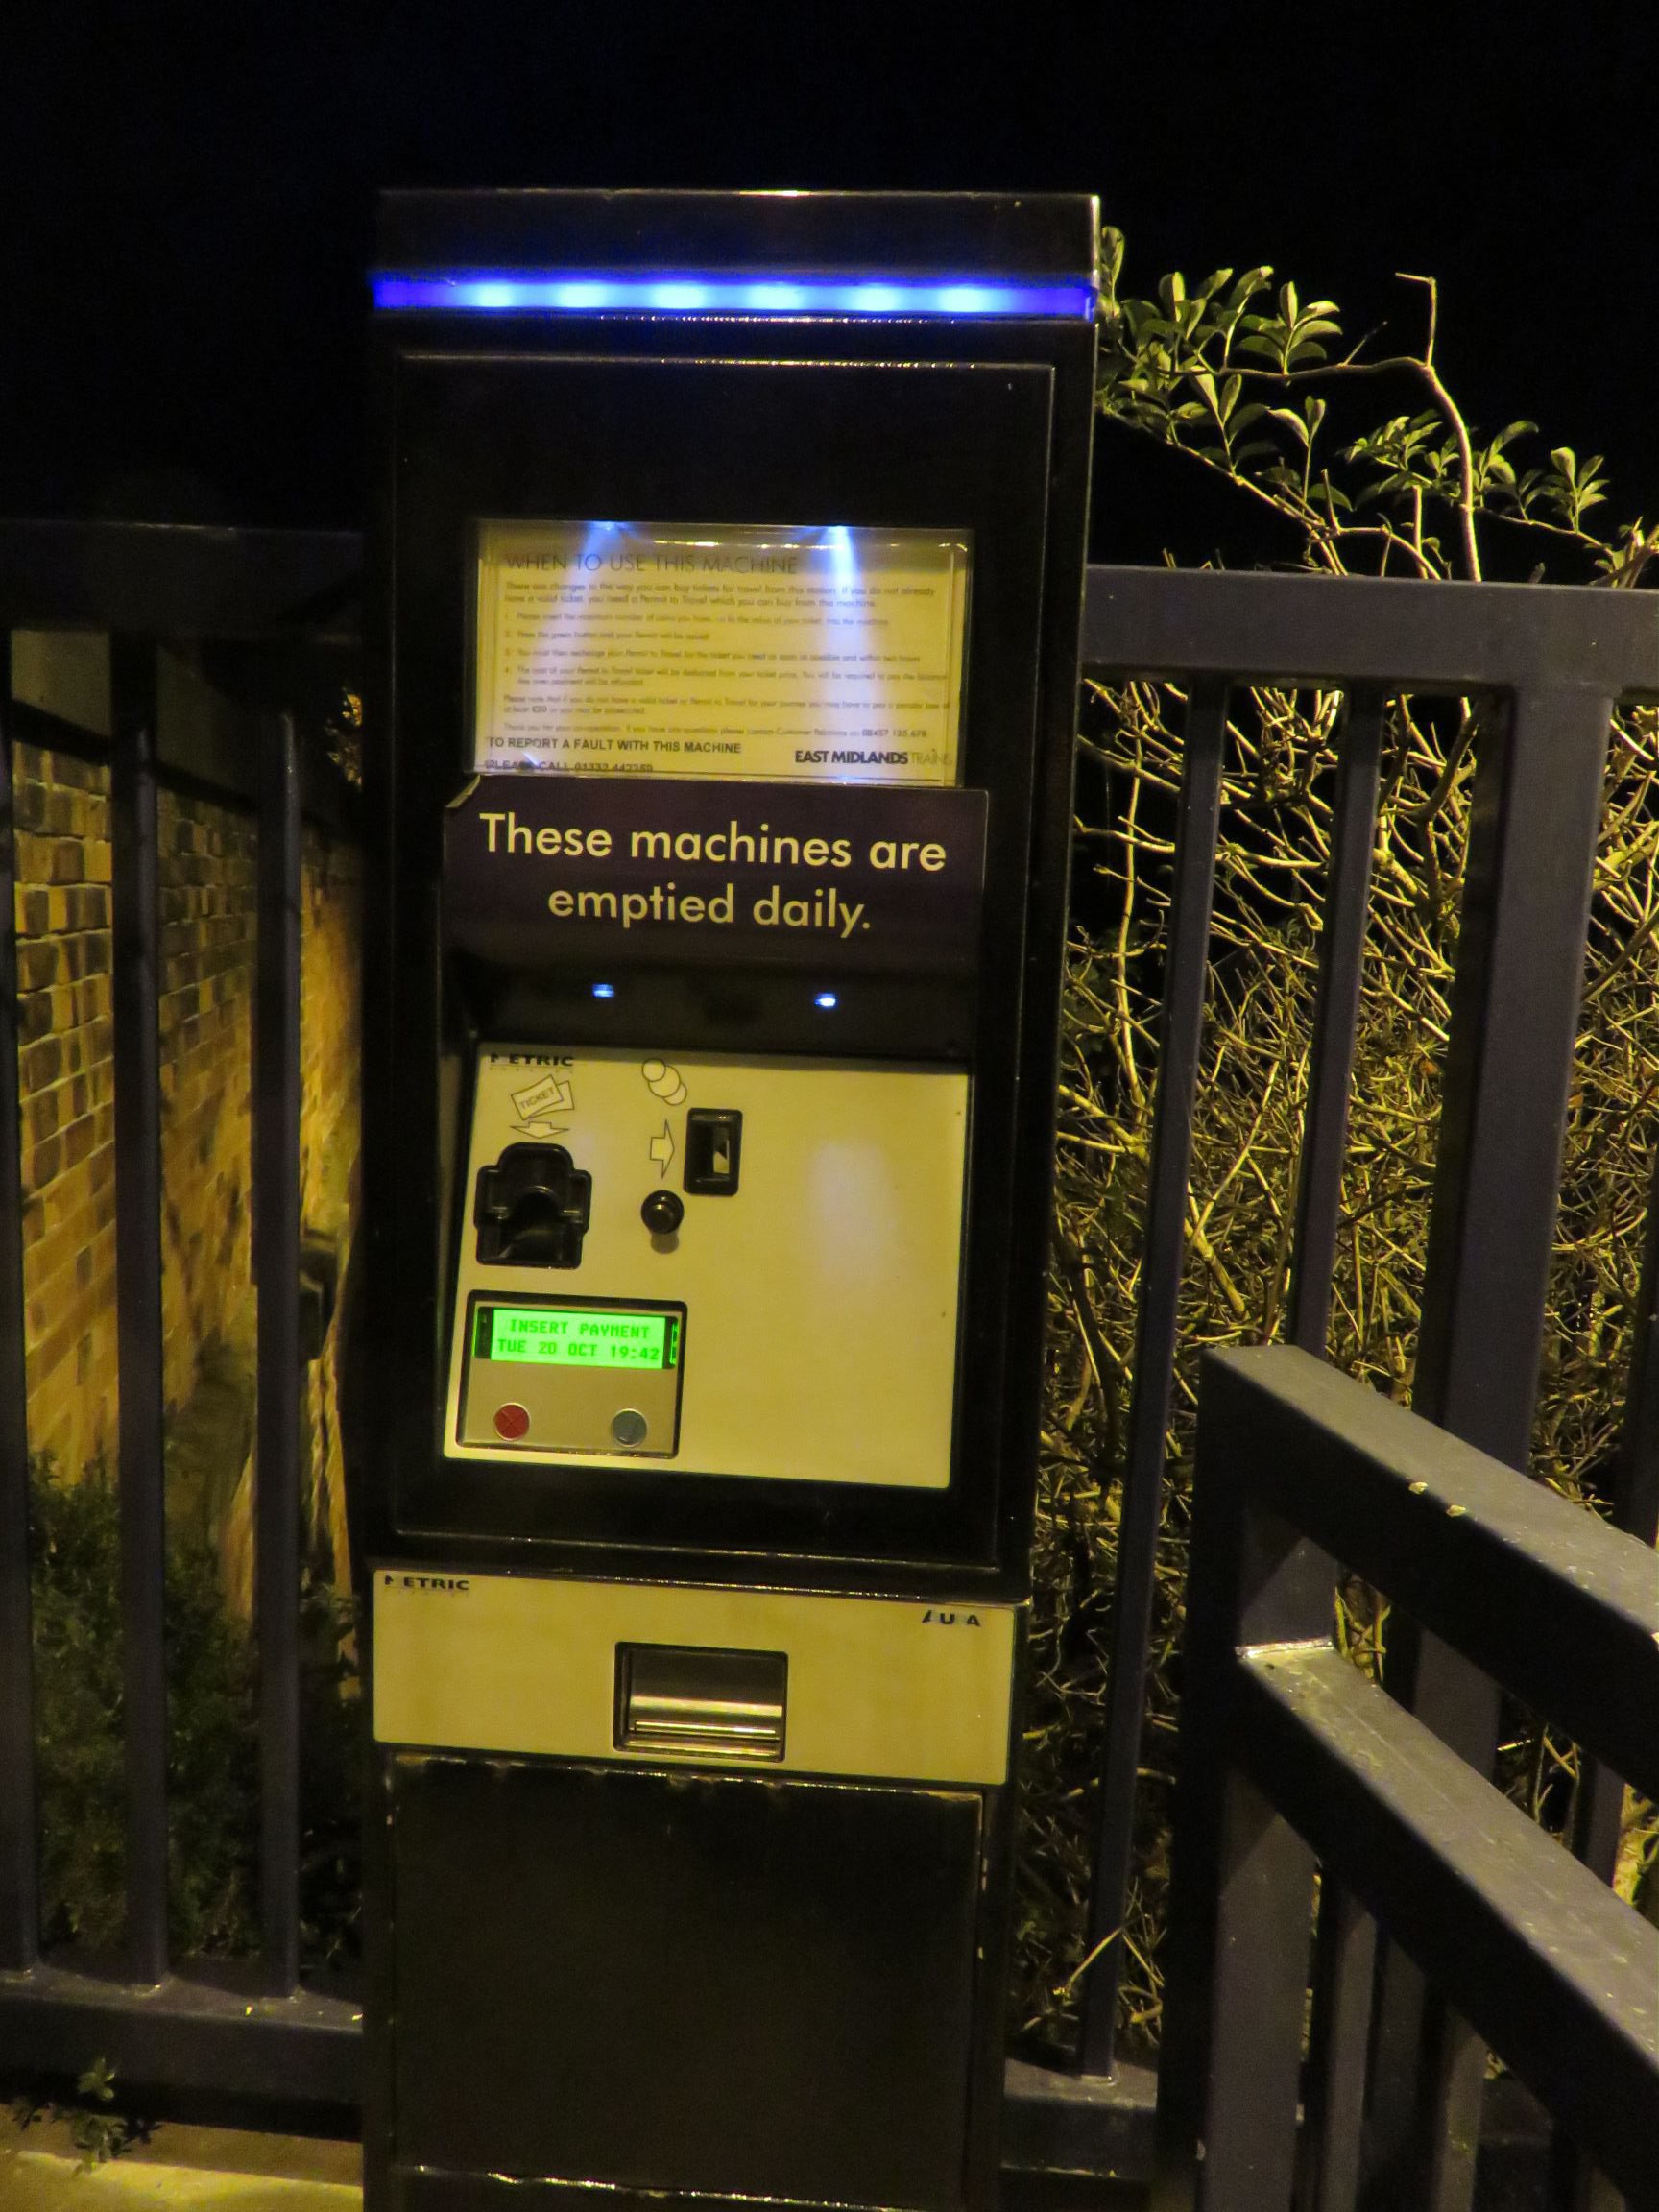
207	914
206	867
67	1079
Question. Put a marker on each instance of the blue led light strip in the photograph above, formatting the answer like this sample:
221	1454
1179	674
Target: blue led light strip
479	292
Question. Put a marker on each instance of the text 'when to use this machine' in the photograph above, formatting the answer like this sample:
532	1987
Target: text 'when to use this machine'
730	556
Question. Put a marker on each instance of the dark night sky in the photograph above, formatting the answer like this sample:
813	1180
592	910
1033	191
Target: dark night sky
187	195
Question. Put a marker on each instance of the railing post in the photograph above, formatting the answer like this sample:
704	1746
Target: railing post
1339	2031
1345	1944
19	1906
1335	1021
1536	808
1241	1901
276	1277
136	963
1599	1807
1164	1244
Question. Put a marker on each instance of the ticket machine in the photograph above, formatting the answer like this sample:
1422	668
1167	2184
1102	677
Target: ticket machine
730	557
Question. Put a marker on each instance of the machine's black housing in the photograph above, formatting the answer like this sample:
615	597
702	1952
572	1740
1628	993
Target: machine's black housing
711	1984
980	423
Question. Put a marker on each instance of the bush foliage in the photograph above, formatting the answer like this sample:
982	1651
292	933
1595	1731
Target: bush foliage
1245	382
212	1748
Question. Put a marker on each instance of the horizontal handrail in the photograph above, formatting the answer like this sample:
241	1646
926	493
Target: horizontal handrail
1257	626
1289	1754
1559	1976
1536	1591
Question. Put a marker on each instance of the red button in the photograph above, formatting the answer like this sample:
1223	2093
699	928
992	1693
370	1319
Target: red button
511	1421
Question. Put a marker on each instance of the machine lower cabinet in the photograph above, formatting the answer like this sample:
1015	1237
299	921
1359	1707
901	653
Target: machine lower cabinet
662	1980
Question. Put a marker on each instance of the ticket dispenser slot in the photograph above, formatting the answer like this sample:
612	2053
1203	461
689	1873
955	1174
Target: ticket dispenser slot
709	1704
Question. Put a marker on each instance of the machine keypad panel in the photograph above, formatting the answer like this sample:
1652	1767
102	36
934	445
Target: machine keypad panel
736	1267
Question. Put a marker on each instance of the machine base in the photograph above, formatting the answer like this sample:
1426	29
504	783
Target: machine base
720	1986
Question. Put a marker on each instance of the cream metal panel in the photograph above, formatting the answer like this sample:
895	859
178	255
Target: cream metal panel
515	1664
821	1297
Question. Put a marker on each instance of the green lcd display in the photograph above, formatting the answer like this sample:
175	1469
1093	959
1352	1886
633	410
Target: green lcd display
578	1336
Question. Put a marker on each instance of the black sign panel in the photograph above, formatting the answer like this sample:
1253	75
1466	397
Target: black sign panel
549	869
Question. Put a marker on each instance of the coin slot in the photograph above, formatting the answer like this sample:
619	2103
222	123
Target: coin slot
710	1704
713	1151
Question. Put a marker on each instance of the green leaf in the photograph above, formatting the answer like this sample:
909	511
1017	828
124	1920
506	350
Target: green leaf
98	2080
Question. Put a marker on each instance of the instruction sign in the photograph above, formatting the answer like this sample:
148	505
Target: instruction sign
822	655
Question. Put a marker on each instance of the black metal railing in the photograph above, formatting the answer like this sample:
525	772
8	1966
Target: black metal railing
1288	1756
1552	662
276	600
1556	659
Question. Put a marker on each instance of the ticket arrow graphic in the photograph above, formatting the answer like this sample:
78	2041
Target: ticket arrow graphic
662	1149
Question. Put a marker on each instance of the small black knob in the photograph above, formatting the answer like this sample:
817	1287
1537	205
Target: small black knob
662	1212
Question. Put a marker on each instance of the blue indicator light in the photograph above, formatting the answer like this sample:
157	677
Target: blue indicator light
578	292
576	296
967	299
774	299
827	999
604	990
